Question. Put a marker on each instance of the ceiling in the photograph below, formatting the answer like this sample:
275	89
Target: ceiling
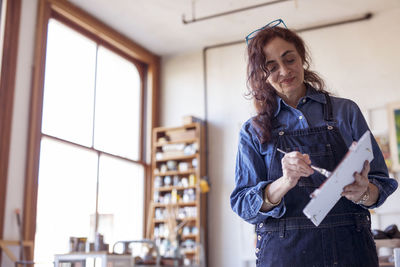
157	24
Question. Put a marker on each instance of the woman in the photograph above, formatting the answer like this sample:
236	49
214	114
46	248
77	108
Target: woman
296	114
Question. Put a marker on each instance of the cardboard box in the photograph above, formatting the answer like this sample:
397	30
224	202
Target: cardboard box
190	119
177	135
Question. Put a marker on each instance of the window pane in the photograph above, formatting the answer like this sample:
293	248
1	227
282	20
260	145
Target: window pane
118	105
121	196
66	197
69	85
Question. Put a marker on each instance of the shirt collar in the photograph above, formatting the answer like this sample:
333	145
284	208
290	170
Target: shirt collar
311	93
315	95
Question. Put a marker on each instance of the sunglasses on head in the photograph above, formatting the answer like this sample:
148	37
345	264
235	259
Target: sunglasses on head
272	24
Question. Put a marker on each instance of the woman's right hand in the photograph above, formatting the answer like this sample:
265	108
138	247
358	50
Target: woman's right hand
294	166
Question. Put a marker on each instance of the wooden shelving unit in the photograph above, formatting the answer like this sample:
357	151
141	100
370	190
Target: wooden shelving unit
176	193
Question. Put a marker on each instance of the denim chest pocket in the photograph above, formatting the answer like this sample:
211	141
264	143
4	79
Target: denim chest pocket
321	155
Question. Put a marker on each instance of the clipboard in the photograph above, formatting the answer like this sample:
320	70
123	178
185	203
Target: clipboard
324	198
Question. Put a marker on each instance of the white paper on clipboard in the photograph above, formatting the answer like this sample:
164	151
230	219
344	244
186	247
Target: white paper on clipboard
325	197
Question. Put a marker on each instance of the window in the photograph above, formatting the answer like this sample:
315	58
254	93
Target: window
88	135
91	172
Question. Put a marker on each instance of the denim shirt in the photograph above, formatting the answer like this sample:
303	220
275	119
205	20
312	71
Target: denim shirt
253	158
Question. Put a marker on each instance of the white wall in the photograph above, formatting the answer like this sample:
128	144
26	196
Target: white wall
358	61
19	130
185	90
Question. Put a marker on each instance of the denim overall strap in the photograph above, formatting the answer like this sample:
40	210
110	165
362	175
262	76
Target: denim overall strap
328	113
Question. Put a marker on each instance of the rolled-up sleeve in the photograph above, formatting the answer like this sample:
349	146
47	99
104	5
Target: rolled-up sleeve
378	175
250	181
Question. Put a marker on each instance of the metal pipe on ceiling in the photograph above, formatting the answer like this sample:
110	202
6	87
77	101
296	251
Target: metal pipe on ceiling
310	28
184	21
335	23
367	16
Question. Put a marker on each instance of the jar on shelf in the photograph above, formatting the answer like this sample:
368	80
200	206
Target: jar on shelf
167	180
158	214
192	180
175	180
163	168
159	156
192	195
158	182
185	197
195	230
156	232
156	196
186	230
183	166
174	196
172	165
185	182
167	198
190	149
194	163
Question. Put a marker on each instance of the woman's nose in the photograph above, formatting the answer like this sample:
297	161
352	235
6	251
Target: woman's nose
284	70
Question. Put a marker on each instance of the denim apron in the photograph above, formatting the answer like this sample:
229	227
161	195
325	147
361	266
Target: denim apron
343	238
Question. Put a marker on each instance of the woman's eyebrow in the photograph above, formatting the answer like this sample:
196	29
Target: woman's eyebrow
286	52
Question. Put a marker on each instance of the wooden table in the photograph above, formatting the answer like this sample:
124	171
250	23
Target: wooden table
106	258
387	243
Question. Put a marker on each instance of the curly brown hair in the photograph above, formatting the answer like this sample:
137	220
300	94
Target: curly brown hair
260	89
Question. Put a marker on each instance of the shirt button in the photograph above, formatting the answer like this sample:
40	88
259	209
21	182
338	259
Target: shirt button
261	225
257	250
259	237
300	117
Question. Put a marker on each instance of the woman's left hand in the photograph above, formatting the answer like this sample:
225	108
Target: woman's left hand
355	190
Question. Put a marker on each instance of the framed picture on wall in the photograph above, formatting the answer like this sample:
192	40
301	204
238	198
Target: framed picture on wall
394	134
384	145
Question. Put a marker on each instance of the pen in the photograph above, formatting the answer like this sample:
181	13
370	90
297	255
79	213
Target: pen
318	169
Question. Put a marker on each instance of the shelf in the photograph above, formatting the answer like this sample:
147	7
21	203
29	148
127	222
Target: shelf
389	243
170	188
178	219
181	204
184	237
183	127
193	251
191	236
186	141
171	173
178	157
